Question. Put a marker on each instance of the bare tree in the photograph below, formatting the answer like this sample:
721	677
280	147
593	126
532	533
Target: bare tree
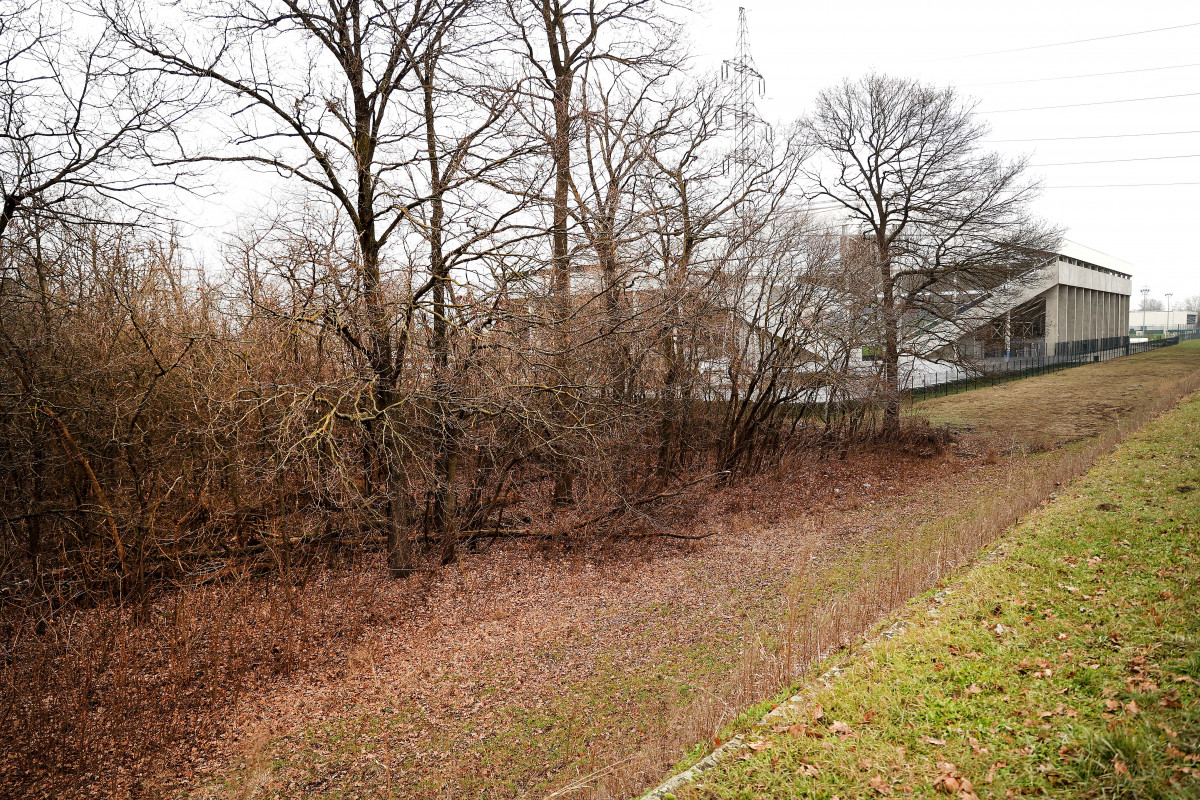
79	121
469	152
1151	304
706	204
777	296
945	219
558	40
346	99
621	128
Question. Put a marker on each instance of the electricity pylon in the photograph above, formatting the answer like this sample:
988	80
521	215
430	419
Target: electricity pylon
748	84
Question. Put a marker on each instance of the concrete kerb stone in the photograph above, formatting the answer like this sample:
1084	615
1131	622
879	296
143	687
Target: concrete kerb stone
791	707
666	790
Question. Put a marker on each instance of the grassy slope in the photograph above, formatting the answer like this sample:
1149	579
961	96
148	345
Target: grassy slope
1063	666
1031	412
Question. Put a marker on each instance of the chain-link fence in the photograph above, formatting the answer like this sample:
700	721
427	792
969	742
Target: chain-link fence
990	372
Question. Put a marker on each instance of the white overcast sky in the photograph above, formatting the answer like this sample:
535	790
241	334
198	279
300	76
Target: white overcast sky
802	47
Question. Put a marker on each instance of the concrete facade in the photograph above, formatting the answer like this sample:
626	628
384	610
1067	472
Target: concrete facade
1078	302
1088	299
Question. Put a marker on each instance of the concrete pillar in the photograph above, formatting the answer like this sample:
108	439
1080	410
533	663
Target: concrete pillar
1110	317
1069	314
1050	300
1064	314
1103	318
1080	319
1076	317
1091	306
1086	318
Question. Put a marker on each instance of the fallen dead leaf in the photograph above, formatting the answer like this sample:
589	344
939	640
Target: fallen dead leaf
946	783
798	730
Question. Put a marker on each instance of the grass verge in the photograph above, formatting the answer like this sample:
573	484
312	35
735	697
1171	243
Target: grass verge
1065	665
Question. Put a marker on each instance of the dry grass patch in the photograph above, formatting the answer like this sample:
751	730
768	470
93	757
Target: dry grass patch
1049	411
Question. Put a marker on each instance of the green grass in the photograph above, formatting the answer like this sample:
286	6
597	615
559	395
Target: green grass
1063	666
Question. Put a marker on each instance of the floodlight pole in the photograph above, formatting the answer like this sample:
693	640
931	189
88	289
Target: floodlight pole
1145	294
1167	332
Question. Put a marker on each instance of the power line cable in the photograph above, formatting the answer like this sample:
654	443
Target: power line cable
1078	41
1094	103
1119	185
1096	136
1088	75
1114	160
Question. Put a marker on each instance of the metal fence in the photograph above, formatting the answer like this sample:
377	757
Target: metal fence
991	372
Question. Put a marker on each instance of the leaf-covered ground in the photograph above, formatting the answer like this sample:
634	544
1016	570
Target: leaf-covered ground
1065	665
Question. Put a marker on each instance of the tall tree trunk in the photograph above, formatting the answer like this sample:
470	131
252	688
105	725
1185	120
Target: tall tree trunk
445	418
8	210
674	398
670	427
891	352
618	354
564	478
383	364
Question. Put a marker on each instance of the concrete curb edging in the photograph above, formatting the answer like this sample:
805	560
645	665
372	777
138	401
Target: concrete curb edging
666	789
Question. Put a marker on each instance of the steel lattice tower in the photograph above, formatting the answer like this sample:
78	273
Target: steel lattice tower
748	83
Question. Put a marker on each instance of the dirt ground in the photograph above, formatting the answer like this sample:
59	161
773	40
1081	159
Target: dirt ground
1052	410
521	670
